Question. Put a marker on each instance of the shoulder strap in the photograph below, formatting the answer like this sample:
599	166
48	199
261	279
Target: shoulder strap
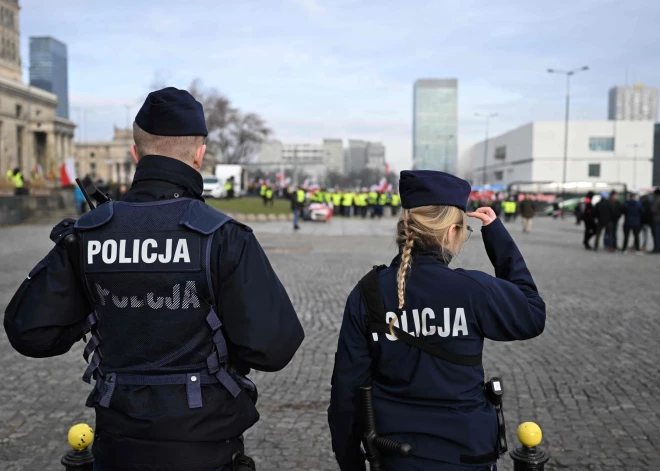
373	300
96	217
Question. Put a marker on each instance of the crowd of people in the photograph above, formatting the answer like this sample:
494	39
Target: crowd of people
641	217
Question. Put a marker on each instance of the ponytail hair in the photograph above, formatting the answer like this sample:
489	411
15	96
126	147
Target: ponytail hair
427	228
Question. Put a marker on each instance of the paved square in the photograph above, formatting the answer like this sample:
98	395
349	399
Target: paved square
590	380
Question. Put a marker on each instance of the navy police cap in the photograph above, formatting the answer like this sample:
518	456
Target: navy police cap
172	112
431	188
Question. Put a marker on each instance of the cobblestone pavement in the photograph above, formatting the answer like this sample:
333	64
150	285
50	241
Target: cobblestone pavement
590	380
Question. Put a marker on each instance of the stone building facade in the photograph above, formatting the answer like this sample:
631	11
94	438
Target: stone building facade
30	133
110	161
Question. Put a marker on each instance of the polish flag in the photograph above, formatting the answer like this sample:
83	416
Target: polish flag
382	185
68	172
388	170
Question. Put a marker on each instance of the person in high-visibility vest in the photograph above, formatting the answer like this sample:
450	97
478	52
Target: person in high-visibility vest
380	205
297	206
336	201
347	203
361	205
229	188
509	210
262	193
372	200
17	180
396	203
269	196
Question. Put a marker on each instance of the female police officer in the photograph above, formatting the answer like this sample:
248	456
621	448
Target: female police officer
431	399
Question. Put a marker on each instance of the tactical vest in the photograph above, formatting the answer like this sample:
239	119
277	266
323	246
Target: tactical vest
146	268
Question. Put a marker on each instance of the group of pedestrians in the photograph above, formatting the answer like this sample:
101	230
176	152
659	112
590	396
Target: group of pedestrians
641	217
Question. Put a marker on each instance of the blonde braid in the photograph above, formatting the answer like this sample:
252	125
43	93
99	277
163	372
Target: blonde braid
406	255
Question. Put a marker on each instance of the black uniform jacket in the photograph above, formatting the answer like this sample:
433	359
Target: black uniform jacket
46	317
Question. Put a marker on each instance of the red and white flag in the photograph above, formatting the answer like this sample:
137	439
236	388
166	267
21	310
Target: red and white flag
382	185
68	172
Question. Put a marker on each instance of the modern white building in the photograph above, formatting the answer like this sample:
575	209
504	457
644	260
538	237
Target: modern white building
435	124
598	151
638	103
333	155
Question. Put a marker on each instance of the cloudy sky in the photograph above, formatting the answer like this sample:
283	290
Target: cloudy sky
345	68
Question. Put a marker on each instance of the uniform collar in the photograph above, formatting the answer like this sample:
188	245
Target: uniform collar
159	168
423	256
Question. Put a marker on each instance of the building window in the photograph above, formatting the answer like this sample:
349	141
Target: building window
500	152
601	143
594	170
92	155
499	175
19	108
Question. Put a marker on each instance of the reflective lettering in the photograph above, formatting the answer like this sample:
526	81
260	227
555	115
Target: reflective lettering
167	256
155	304
136	302
93	248
460	324
416	321
181	251
122	252
190	296
427	313
146	258
175	301
445	330
136	251
102	293
109	252
120	302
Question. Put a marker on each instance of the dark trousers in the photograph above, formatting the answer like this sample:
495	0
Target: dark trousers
363	211
609	238
655	226
265	200
590	230
626	233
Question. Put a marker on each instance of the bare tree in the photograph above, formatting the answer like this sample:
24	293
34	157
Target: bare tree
234	136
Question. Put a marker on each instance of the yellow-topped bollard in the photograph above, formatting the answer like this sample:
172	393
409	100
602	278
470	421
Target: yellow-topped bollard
530	434
80	436
80	458
527	457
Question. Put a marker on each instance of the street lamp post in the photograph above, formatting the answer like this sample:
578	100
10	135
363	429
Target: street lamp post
487	117
569	74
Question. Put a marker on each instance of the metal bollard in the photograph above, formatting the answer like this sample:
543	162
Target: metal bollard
80	458
527	457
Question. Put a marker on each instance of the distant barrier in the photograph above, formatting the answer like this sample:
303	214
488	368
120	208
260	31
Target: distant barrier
39	203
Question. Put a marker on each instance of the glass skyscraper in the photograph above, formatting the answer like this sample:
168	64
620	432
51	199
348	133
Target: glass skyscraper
49	70
435	124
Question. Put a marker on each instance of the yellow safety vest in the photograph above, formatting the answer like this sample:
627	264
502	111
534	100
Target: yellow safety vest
336	199
396	200
262	190
348	199
382	199
300	196
228	186
360	200
18	180
373	197
269	193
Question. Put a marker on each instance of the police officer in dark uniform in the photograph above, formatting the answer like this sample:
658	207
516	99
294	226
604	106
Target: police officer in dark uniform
432	399
178	302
